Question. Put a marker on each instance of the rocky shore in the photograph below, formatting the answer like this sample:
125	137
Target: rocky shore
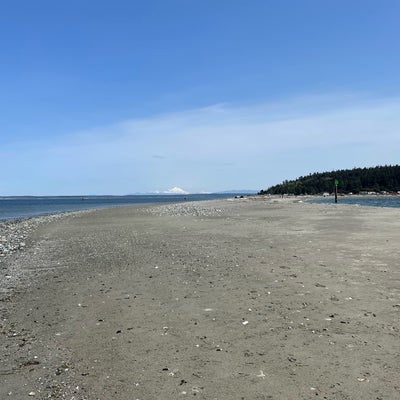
14	233
15	237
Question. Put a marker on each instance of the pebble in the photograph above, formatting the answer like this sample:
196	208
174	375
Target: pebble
14	233
14	236
181	209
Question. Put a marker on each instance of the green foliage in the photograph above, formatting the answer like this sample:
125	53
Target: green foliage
376	179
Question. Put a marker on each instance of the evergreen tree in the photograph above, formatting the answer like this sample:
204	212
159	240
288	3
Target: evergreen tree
375	179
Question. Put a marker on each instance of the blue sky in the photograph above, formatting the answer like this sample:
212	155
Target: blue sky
116	97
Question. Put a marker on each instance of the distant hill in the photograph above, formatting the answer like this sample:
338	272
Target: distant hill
376	179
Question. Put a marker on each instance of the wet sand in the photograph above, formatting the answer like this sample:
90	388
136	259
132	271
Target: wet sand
241	299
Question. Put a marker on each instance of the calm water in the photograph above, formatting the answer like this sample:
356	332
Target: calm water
22	207
375	201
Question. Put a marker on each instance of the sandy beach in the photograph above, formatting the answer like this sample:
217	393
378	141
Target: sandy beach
230	299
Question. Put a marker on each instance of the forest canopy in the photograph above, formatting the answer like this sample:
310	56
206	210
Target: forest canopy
376	179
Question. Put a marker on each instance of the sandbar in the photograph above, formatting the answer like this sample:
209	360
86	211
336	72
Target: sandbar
254	298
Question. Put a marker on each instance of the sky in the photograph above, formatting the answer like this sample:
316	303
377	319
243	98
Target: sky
126	96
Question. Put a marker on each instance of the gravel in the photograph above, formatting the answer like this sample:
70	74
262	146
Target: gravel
187	209
15	233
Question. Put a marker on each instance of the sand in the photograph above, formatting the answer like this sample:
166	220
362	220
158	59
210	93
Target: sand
240	299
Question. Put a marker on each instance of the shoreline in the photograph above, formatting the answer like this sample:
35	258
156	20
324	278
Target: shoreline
62	204
15	232
239	298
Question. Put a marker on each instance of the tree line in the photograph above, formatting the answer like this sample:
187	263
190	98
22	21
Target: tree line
376	179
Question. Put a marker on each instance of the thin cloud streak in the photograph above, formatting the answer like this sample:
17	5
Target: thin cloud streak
213	148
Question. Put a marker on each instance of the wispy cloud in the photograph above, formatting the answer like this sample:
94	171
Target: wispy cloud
216	147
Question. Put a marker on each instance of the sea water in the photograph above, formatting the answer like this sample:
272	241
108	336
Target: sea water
374	201
23	207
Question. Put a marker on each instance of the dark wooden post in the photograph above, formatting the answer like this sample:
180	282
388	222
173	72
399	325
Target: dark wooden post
336	189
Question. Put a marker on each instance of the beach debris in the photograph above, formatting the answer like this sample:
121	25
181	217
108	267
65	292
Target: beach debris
261	375
363	380
173	372
31	394
30	363
245	322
